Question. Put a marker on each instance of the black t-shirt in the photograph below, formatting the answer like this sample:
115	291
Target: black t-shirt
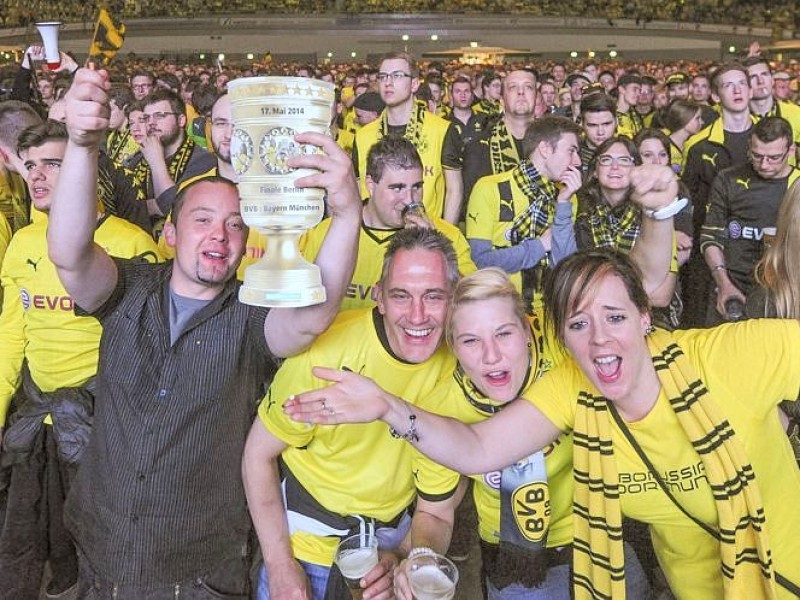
737	144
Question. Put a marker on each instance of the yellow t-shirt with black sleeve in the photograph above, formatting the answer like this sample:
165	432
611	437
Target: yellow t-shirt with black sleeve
749	368
451	399
354	469
495	202
432	151
372	245
38	323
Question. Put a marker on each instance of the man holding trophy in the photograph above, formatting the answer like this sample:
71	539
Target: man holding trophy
158	506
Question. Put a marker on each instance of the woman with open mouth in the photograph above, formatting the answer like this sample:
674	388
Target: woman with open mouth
679	430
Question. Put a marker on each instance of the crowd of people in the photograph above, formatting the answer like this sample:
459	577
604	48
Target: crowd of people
778	13
546	290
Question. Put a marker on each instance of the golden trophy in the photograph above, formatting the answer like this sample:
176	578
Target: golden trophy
267	113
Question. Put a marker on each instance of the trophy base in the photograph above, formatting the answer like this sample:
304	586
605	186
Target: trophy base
287	288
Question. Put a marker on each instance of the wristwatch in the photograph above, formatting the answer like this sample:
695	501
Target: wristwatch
665	212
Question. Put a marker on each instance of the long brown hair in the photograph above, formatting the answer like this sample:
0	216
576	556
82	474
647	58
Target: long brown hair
777	271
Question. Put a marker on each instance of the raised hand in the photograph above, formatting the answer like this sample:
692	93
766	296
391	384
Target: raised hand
335	173
88	108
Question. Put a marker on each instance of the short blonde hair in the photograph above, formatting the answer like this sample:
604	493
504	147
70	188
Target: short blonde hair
484	284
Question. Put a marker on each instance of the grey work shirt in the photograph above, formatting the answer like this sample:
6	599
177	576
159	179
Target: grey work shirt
159	496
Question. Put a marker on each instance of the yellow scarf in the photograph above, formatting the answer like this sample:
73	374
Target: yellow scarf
746	563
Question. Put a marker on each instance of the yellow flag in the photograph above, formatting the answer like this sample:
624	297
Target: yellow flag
108	37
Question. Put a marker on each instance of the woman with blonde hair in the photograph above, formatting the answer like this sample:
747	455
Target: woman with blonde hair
675	429
501	351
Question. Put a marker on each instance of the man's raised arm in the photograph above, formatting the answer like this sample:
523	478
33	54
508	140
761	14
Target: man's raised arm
85	270
290	330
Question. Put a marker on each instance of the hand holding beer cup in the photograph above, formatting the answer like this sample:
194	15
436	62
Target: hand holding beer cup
356	556
428	576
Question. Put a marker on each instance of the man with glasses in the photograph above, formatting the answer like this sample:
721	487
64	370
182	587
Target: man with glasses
492	92
49	358
141	84
436	140
168	155
743	205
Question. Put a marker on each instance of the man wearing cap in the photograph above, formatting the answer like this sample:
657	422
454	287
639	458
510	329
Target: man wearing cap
500	150
367	107
629	122
576	82
763	103
436	140
677	86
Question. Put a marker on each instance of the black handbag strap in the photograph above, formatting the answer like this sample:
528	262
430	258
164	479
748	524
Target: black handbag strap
656	475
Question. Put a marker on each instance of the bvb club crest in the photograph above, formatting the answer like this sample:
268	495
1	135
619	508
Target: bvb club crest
531	508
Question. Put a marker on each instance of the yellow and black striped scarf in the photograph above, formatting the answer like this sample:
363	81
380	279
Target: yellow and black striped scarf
176	165
120	145
614	226
489	107
503	154
541	195
745	558
413	132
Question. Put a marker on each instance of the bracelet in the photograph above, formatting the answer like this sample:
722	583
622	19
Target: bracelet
421	550
718	268
665	212
411	434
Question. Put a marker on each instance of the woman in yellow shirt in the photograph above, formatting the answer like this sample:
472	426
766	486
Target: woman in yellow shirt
679	430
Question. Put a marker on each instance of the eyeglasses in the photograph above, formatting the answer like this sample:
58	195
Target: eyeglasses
394	76
140	87
621	161
156	116
770	159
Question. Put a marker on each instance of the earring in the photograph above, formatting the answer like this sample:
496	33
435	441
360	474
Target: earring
530	344
650	329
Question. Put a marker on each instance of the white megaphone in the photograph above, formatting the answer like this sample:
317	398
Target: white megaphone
49	32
